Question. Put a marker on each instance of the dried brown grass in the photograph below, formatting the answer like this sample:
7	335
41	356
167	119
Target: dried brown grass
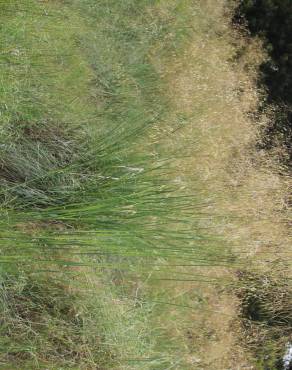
213	84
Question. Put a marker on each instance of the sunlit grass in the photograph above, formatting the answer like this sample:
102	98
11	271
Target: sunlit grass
88	182
125	173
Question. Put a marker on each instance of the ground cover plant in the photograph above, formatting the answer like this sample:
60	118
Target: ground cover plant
126	195
84	182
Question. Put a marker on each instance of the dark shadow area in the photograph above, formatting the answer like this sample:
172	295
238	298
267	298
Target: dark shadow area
272	20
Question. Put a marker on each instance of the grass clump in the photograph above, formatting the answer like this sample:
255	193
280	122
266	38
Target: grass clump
70	320
94	175
265	311
87	181
119	120
43	323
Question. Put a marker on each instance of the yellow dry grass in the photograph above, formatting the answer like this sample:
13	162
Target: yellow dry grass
247	187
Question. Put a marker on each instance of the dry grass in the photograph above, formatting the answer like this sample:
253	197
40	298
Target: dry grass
213	120
212	85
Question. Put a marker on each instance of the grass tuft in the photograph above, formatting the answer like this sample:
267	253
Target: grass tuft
265	310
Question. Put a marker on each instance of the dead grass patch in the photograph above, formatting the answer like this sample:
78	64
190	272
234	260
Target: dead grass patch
212	86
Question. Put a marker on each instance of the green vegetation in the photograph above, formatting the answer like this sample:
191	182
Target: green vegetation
125	193
88	191
74	157
61	320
